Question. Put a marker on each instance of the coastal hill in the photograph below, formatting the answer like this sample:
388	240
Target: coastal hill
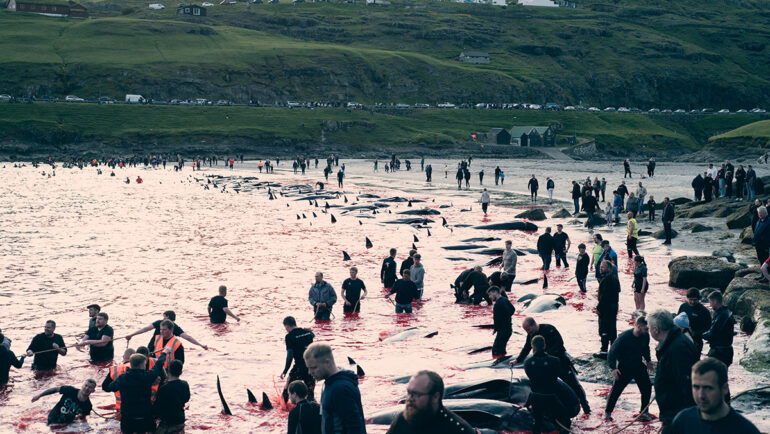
683	54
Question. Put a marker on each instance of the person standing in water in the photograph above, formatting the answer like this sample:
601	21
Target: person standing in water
218	308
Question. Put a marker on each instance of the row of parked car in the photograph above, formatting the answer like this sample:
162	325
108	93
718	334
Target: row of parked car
138	99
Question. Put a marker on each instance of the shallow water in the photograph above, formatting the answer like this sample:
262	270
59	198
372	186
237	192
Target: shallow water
138	250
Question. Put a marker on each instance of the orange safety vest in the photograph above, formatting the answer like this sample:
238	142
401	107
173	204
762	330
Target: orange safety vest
174	343
156	385
115	372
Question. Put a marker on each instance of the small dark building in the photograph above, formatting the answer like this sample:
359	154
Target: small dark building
533	136
195	10
498	136
54	8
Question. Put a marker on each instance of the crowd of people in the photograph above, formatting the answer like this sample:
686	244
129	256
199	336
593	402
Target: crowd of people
692	393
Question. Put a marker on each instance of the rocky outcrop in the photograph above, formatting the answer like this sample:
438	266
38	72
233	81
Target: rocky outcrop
747	235
747	297
696	227
724	253
532	214
561	214
661	234
715	208
701	272
740	218
596	220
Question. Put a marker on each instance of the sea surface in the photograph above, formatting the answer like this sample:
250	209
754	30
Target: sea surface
78	238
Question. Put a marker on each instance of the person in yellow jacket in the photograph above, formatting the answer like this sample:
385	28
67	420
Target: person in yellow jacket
632	236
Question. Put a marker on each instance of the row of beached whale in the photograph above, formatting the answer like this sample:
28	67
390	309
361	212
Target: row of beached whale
490	405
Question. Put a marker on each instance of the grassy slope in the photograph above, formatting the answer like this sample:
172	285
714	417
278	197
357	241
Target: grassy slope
756	134
113	123
684	54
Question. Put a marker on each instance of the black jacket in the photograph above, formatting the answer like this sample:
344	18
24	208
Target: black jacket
589	204
135	387
609	288
444	422
543	371
305	418
720	334
576	191
342	412
668	212
405	265
628	351
697	183
673	387
545	244
501	314
550	184
8	359
532	184
699	316
477	280
388	270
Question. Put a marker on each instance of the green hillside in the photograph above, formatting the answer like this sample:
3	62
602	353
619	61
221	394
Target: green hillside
683	54
756	134
78	128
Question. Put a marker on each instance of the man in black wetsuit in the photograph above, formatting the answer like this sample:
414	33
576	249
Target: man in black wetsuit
388	272
625	360
545	247
297	341
720	335
501	315
135	387
607	307
699	316
407	263
711	413
532	186
543	372
480	283
554	346
461	296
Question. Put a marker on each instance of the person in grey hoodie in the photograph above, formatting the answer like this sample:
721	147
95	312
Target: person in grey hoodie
322	297
341	409
417	274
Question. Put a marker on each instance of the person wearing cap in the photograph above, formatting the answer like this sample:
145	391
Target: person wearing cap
93	310
629	358
683	322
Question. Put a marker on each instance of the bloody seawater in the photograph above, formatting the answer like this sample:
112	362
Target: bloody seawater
78	238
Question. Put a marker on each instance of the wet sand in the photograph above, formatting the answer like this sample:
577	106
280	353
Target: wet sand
138	250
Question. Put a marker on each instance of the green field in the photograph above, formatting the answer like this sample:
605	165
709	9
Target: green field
687	54
72	124
754	134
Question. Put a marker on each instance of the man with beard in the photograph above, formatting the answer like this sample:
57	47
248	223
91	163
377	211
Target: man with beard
424	411
297	341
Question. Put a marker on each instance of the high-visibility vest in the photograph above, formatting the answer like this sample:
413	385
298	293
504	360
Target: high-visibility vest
156	385
633	228
174	343
115	372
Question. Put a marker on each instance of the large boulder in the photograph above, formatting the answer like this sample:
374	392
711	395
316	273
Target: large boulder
661	234
715	208
701	272
561	214
536	214
696	227
724	253
596	220
740	218
747	235
756	355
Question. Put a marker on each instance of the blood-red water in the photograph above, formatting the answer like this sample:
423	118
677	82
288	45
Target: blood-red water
79	238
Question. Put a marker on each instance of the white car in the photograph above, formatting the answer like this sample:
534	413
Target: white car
609	109
742	111
653	110
724	111
624	109
5	97
569	108
757	110
446	105
422	105
156	6
207	4
73	98
593	109
680	111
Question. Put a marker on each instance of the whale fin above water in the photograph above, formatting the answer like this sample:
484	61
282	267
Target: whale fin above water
351	361
369	244
252	398
414	247
334	220
225	407
359	371
416	240
345	256
266	404
428	232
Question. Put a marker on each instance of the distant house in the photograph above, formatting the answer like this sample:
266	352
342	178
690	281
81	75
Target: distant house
378	2
478	57
185	9
532	136
540	3
498	136
53	8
